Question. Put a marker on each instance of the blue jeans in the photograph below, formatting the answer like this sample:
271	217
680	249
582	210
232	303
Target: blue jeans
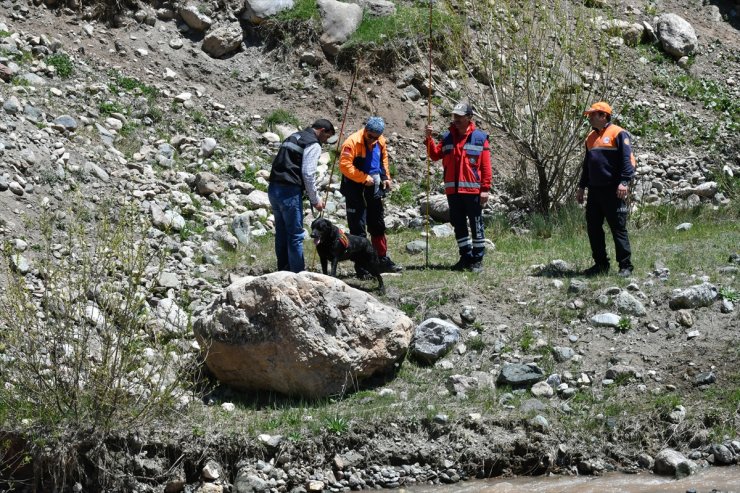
287	207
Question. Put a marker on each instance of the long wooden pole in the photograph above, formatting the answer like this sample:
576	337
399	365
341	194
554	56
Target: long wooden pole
429	159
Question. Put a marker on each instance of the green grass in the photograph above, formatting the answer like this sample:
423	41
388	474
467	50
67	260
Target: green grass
279	116
62	63
123	83
303	10
408	22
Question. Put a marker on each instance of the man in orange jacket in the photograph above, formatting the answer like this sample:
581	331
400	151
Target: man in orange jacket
466	159
365	181
608	169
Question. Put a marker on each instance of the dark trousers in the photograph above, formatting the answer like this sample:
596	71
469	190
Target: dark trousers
465	210
603	204
365	214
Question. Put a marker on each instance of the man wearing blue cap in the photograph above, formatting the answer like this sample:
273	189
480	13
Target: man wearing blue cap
365	181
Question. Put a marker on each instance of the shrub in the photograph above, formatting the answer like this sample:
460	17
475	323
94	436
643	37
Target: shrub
62	63
79	356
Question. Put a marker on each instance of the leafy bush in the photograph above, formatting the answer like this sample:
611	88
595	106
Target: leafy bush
62	63
122	83
80	358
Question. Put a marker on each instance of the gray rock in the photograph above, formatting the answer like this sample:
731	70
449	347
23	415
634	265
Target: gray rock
726	307
519	375
562	353
438	208
416	247
468	314
194	18
694	297
620	371
723	455
539	423
704	378
676	35
166	150
16	188
173	318
542	389
66	121
377	8
411	93
606	320
258	10
433	338
460	385
669	462
577	286
12	105
339	21
628	304
95	170
207	183
684	227
241	226
533	406
258	200
20	264
33	79
248	482
443	231
223	40
168	280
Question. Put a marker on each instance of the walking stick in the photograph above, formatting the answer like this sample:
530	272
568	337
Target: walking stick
336	151
429	159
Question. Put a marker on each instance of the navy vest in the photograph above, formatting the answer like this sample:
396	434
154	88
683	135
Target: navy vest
287	165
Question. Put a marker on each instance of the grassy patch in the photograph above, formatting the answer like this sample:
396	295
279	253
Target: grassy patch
280	116
408	22
122	83
62	63
302	10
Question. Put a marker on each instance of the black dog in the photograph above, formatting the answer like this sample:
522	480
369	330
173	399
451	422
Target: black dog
333	244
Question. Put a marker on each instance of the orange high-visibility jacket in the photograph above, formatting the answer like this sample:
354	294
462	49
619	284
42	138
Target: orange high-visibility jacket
352	159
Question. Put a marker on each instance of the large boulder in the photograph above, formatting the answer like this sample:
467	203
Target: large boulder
223	40
676	35
339	21
300	334
258	10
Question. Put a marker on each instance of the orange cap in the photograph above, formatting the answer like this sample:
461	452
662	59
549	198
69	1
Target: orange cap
600	106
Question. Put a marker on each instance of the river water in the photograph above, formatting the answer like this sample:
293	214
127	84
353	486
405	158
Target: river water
725	479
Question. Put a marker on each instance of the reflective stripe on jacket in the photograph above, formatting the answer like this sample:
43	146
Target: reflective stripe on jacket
609	160
352	158
466	160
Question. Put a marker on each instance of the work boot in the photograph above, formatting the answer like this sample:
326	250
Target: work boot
596	270
461	265
387	265
476	267
625	272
